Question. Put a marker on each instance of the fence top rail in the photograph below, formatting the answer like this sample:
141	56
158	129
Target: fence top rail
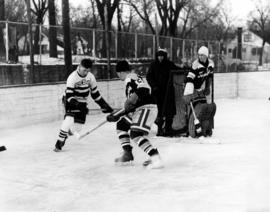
111	31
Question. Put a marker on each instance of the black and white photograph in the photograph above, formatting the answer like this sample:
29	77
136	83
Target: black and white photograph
134	105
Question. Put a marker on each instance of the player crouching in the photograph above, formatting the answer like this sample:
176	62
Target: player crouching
80	84
198	82
135	119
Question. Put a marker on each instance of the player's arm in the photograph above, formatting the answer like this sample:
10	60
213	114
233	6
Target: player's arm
189	87
129	106
96	96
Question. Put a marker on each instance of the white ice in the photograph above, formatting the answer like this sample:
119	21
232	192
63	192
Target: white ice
229	172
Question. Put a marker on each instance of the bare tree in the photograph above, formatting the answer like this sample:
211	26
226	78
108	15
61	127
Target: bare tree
39	10
52	29
197	13
67	42
2	17
169	12
111	7
260	23
144	9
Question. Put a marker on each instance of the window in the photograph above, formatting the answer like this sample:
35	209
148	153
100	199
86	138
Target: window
256	51
247	37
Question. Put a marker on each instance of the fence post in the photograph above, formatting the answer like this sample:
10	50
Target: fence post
183	50
171	48
40	40
116	44
154	49
94	44
136	45
7	42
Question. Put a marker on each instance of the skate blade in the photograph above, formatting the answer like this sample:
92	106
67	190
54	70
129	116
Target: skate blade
128	163
151	166
56	150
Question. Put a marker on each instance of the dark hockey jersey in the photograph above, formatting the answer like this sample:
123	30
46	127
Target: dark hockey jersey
138	92
200	72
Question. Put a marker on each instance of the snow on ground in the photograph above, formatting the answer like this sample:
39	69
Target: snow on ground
232	175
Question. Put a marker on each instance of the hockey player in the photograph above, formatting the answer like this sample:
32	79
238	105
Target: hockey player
80	84
198	87
137	116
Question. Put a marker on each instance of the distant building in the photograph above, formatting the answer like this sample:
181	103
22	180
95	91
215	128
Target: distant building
251	48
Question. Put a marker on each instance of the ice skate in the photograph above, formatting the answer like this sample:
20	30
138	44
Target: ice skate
59	145
154	162
125	159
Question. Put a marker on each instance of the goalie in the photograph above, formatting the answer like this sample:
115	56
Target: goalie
197	88
135	120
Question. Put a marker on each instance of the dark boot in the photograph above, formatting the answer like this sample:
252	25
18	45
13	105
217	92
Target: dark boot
126	157
59	145
168	127
159	122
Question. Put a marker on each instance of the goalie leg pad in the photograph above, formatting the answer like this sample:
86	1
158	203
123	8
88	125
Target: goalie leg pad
205	111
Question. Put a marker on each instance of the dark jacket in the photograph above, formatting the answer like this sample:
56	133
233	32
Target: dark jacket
160	79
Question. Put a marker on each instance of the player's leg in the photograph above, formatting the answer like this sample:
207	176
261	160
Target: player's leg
72	116
122	128
63	133
140	127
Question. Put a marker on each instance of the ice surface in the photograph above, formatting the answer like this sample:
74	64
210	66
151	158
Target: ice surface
229	172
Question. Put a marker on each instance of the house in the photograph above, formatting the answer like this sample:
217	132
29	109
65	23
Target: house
251	48
45	44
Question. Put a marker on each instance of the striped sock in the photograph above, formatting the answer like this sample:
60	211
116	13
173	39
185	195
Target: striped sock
62	135
124	140
145	145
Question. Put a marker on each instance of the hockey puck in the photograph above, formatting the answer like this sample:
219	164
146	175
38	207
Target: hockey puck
2	148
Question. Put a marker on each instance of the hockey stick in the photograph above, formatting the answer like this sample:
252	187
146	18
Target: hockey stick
197	123
79	137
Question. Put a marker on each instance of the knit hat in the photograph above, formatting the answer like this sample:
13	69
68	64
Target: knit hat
122	66
203	50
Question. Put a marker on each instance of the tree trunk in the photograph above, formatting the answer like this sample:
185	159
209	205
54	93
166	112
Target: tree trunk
66	30
2	26
52	29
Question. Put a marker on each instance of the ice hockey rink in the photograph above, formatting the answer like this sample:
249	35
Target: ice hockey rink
228	172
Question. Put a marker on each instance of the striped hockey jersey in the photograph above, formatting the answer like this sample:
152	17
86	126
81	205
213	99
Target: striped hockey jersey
199	73
79	87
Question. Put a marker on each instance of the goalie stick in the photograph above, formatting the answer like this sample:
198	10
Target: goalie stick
196	120
80	136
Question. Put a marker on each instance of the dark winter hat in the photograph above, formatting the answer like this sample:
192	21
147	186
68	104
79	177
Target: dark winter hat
122	66
162	52
86	63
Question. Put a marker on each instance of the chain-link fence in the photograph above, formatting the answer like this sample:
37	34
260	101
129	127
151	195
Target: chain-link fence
137	47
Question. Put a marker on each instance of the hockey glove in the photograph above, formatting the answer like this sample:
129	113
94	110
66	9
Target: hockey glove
113	118
105	107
